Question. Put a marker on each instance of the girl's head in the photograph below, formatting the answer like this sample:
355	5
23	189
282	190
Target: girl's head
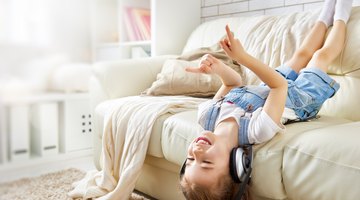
206	171
207	168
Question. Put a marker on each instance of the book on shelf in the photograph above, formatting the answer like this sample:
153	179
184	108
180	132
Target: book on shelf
137	23
139	52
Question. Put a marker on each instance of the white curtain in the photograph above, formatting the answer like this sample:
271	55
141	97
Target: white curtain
60	26
38	36
26	22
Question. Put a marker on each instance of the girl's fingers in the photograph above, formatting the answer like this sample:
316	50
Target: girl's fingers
206	62
226	42
201	69
225	47
192	69
229	34
210	59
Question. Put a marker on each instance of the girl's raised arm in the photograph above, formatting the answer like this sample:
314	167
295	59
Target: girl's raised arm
275	103
210	65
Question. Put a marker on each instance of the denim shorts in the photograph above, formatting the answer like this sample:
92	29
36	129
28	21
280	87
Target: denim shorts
308	90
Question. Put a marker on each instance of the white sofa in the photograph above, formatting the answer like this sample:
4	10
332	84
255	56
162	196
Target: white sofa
318	159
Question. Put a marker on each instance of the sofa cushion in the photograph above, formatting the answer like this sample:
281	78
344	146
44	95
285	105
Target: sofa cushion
348	61
180	129
268	160
273	39
329	157
344	107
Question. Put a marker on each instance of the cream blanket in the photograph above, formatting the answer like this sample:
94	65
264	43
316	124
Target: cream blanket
126	135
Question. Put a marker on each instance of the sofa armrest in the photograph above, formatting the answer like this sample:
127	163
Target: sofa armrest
115	79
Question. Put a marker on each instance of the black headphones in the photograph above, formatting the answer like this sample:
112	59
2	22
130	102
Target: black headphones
240	167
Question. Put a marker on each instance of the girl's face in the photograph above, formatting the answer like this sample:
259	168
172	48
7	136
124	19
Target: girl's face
207	160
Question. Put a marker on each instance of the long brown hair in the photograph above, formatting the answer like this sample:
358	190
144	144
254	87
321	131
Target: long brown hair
226	190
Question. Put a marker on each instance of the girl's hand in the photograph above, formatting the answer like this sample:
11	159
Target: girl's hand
208	65
232	46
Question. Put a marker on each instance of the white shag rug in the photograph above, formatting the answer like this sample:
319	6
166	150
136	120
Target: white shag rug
48	186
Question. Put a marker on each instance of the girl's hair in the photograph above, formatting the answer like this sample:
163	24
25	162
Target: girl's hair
227	188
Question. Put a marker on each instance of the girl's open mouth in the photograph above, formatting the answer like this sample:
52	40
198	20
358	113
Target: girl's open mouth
202	140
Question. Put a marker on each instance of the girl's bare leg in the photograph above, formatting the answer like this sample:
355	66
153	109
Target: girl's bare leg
333	46
315	39
312	42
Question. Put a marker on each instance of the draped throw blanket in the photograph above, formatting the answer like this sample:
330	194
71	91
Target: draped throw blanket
127	130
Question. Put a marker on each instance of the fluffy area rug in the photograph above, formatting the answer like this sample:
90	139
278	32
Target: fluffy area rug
48	186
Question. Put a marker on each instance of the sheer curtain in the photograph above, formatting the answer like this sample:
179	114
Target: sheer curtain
54	25
36	36
26	22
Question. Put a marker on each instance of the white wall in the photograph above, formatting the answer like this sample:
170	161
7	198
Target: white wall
212	9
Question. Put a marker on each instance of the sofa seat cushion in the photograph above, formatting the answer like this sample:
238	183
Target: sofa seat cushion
180	129
268	159
329	157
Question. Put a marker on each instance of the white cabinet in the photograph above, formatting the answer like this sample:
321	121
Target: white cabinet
19	133
44	129
76	124
172	22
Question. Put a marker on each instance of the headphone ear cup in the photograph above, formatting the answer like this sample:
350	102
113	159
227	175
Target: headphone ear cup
241	167
182	170
240	164
233	165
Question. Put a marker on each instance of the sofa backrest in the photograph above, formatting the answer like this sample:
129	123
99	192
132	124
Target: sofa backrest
274	39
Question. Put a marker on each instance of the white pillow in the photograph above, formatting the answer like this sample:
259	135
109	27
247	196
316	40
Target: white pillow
71	78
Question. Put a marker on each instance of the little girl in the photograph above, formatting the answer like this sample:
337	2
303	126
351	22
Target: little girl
242	115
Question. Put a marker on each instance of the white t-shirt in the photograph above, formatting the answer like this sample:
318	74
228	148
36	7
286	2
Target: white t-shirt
261	127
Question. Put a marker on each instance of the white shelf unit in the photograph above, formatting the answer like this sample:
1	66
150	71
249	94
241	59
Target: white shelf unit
38	127
172	22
